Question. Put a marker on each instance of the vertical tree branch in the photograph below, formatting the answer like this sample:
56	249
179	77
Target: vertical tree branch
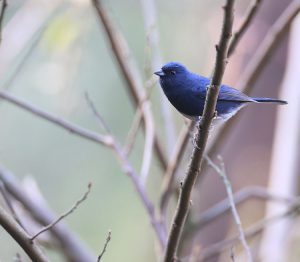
201	135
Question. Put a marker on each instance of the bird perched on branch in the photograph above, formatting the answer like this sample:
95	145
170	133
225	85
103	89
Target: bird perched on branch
187	92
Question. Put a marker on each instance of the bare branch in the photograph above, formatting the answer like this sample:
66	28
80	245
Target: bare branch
129	71
72	248
244	25
65	124
21	237
105	246
201	136
71	210
221	171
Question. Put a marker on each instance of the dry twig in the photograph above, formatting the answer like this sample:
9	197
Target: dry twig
64	215
105	246
72	248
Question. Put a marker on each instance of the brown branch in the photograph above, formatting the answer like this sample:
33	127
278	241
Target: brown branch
201	135
21	237
64	215
72	248
252	10
65	124
105	246
256	65
129	72
2	12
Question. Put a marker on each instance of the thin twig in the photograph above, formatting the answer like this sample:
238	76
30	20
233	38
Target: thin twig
72	247
2	12
62	216
105	246
65	124
222	173
201	136
130	73
252	10
21	237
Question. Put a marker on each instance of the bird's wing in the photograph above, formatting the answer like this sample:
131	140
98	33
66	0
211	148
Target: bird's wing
230	94
226	93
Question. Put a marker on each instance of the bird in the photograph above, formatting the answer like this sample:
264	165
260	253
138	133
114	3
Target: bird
186	91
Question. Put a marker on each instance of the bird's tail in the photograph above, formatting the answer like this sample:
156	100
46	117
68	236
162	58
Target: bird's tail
269	100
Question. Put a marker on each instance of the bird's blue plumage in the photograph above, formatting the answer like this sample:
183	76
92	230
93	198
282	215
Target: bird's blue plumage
187	91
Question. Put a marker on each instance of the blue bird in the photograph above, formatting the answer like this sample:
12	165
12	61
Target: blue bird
187	91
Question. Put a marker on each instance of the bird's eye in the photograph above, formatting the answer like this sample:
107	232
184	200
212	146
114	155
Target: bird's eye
173	72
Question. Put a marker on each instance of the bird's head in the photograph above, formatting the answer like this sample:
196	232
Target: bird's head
171	70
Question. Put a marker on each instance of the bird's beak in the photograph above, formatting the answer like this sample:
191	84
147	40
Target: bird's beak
159	73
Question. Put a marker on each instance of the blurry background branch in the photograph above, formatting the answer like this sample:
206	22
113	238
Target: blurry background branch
21	237
130	73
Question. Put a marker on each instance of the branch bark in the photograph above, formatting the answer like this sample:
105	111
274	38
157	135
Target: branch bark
201	136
